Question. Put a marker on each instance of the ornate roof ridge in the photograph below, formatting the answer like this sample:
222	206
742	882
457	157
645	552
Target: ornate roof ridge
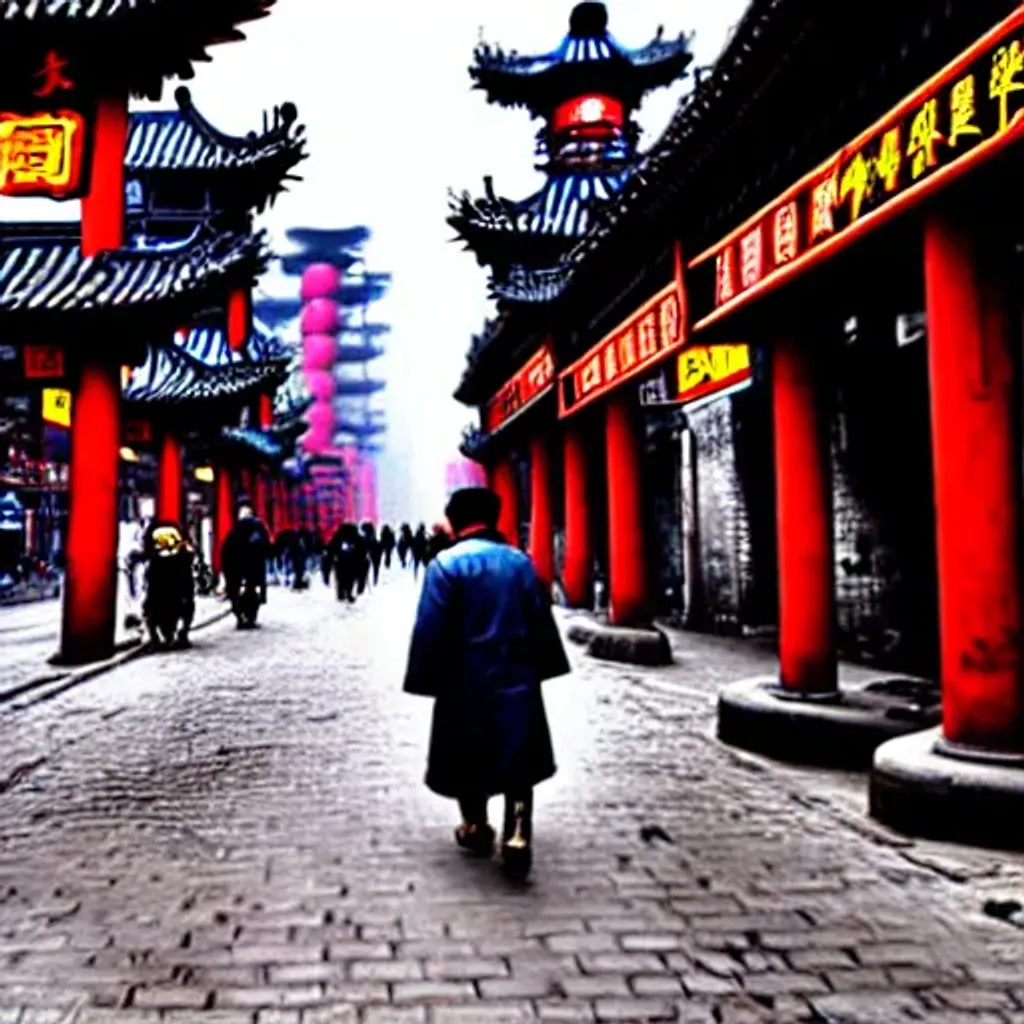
182	138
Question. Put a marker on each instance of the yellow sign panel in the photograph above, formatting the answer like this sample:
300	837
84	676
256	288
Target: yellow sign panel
41	154
57	407
707	369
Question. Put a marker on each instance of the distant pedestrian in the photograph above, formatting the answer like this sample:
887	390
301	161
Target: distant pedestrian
484	641
404	544
419	548
387	544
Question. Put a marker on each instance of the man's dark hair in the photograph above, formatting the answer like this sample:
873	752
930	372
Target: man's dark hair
473	506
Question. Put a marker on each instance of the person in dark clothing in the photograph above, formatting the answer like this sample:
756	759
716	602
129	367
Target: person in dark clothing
170	582
344	554
387	544
484	641
419	548
374	553
404	544
244	558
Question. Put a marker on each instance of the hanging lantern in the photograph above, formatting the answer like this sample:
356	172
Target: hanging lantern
320	280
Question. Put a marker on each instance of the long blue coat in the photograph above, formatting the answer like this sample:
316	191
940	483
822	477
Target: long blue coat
483	643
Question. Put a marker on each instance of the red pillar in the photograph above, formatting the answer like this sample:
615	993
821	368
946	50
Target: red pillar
90	590
977	491
541	548
223	513
259	494
90	582
578	556
803	472
169	479
503	483
627	571
239	317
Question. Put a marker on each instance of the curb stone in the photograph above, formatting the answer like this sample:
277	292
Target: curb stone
54	684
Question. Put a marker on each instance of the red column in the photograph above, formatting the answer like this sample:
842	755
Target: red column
259	494
90	590
541	547
223	513
90	582
578	556
169	479
977	497
503	483
103	207
239	317
627	571
804	521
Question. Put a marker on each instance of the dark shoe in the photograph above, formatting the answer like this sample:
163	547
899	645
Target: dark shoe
477	839
182	642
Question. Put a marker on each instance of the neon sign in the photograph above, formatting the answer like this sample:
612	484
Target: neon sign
966	113
531	382
706	370
41	155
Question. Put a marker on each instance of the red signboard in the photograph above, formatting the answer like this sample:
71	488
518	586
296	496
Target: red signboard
965	114
44	361
530	383
654	331
41	155
589	112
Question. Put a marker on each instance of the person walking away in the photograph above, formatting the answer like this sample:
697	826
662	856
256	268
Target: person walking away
373	551
387	544
170	601
404	544
244	556
419	549
343	556
483	642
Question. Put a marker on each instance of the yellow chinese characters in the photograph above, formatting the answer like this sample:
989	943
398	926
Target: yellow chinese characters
37	152
855	184
647	336
752	257
890	159
963	109
611	365
924	137
670	318
1007	64
627	350
725	276
786	237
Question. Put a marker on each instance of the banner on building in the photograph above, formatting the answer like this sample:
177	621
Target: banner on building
971	110
532	382
57	407
44	362
700	374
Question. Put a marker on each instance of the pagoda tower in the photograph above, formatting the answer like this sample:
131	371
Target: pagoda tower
587	92
340	341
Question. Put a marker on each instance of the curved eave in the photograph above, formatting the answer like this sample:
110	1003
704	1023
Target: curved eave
50	275
511	80
329	238
253	442
354	388
354	354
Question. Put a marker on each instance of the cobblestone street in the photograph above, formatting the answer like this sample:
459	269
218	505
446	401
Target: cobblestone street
240	833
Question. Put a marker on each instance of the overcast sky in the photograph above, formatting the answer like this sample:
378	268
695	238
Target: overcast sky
392	123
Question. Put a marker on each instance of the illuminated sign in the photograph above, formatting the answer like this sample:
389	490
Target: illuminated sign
57	407
655	330
530	383
589	112
44	361
965	114
710	370
41	155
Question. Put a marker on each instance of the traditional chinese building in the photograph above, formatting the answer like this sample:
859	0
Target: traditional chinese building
81	308
853	226
586	92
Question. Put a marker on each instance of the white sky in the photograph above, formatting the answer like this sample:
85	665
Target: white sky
392	123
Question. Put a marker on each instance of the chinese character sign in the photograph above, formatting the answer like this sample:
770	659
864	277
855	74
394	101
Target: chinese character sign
529	384
636	345
973	108
41	155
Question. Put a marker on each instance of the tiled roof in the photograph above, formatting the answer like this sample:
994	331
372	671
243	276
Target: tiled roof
513	79
348	353
50	275
173	140
258	441
209	346
531	286
76	11
293	397
170	376
360	429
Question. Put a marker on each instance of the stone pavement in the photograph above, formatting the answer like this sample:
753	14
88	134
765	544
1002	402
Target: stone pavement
30	635
238	833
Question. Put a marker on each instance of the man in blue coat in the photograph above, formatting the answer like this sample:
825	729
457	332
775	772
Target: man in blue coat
484	641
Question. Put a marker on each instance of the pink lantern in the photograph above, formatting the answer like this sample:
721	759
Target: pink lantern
316	442
320	316
320	280
320	384
320	416
318	352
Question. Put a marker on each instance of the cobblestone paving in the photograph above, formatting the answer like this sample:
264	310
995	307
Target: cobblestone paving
239	834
